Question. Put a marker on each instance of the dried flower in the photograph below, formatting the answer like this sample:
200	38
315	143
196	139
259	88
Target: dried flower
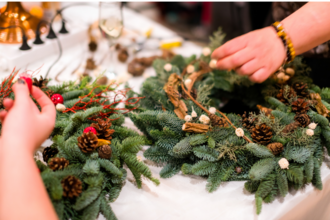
187	118
309	132
187	82
60	107
213	63
280	75
204	119
312	125
206	51
139	158
190	69
168	67
212	110
239	132
193	113
284	163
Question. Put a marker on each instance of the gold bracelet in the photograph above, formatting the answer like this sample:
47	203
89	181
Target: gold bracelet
290	52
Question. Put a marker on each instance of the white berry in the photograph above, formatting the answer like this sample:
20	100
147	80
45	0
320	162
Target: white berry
212	110
312	125
190	69
213	64
187	118
239	132
206	51
309	132
187	82
204	119
60	107
284	163
168	67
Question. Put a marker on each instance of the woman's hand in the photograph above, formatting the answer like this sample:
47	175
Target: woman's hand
257	54
22	122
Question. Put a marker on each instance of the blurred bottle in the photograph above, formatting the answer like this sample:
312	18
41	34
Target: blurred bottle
49	10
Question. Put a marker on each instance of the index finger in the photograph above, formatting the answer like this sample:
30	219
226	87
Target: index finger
47	106
229	48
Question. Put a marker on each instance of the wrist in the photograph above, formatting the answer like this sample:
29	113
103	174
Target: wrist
278	43
16	145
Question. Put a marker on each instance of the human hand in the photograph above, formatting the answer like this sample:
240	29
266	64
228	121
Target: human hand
23	125
257	54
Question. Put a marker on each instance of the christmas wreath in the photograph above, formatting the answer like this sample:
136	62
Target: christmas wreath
278	148
83	170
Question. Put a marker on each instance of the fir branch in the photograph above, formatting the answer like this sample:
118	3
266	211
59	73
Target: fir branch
259	151
203	168
170	170
91	212
261	169
91	167
282	183
206	153
106	210
87	197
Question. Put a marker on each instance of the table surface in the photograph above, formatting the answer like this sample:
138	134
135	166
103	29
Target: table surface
180	197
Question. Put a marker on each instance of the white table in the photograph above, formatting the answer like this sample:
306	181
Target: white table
184	197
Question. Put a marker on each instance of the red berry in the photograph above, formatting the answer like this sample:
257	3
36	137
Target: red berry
90	129
28	81
57	98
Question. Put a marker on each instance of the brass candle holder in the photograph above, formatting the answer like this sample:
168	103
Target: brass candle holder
15	15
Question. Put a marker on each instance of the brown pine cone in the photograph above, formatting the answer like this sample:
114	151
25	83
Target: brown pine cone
135	68
90	64
92	46
248	121
122	55
87	142
216	121
48	153
281	97
262	134
301	89
276	147
58	163
103	129
105	152
49	93
303	120
291	127
300	106
41	83
72	186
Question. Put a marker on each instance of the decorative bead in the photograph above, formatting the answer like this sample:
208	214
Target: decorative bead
188	118
213	63
239	132
284	163
204	119
309	132
212	110
90	129
312	125
190	69
206	51
60	107
57	98
168	67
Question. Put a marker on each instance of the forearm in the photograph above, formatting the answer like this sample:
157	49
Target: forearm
309	26
21	186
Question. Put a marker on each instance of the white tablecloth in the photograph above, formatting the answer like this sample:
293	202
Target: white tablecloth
184	197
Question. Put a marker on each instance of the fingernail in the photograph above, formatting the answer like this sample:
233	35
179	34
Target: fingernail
21	81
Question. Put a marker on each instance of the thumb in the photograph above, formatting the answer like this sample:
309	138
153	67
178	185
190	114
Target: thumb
21	92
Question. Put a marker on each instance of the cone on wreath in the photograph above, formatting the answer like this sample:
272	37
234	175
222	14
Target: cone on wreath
41	83
72	186
216	121
301	89
291	127
58	163
275	148
48	153
105	151
87	142
262	134
303	120
285	98
248	121
103	130
300	106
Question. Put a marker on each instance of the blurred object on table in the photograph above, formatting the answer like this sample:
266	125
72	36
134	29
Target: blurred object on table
50	9
15	14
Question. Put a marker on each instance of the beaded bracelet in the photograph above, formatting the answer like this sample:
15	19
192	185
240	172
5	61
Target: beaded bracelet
290	52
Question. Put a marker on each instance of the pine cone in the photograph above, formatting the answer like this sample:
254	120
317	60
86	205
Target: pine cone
262	134
87	142
300	106
92	46
105	151
291	127
303	120
58	163
248	121
103	129
49	93
301	89
41	83
216	121
72	186
291	94
48	153
276	147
